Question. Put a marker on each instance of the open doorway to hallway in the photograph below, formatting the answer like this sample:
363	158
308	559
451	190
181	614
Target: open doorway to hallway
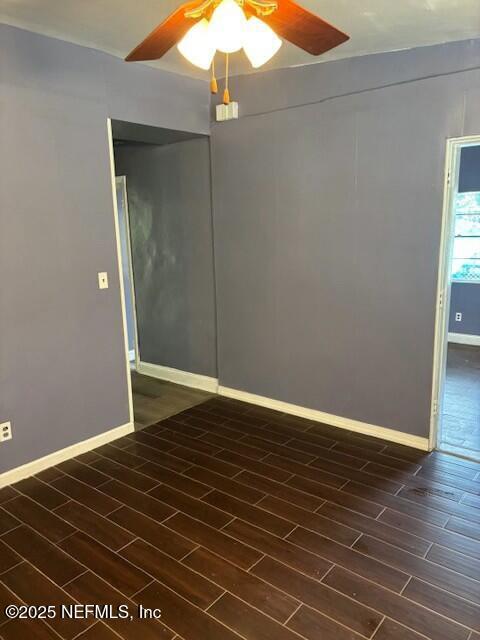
166	250
459	405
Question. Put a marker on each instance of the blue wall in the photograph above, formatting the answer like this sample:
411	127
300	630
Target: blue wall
465	299
469	178
170	212
326	262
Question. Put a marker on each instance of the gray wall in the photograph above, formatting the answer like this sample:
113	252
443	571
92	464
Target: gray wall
130	132
62	371
327	215
171	234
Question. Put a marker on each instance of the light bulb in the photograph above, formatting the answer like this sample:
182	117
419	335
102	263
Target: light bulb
261	43
227	27
197	46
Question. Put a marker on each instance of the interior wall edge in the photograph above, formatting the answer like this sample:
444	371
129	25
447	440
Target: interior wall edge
385	433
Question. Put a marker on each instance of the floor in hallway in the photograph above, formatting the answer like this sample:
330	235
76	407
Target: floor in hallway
241	523
460	432
154	399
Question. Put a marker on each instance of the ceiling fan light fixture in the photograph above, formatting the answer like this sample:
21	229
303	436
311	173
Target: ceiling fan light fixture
227	27
260	43
197	46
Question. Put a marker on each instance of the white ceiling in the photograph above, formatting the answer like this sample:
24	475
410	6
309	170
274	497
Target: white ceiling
116	26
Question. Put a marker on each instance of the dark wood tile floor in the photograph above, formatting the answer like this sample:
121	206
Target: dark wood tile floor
460	430
239	522
155	400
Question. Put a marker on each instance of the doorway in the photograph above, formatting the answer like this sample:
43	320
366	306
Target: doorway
456	398
159	209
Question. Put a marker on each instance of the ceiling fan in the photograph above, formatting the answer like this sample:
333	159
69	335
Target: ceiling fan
200	28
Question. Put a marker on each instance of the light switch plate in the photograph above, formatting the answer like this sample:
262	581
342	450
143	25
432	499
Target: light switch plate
5	431
103	280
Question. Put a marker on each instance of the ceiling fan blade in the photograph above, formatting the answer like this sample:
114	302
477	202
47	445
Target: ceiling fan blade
303	28
165	36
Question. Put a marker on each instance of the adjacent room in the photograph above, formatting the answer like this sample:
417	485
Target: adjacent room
240	320
460	424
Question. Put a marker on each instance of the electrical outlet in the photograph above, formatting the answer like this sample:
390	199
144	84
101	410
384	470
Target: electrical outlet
103	280
5	431
458	317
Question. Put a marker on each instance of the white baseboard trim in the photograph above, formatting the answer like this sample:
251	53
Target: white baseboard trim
31	468
327	418
464	338
194	380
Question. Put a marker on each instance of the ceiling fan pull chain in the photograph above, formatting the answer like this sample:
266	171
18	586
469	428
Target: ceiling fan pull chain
213	81
226	93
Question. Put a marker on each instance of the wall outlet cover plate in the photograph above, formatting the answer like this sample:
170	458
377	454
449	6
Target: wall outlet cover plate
5	431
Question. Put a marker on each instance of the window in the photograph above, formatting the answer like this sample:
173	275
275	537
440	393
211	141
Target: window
466	248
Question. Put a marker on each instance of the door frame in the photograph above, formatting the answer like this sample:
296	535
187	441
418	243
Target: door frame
113	188
122	180
452	170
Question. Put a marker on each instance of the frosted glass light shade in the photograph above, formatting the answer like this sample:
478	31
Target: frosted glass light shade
197	46
227	27
260	43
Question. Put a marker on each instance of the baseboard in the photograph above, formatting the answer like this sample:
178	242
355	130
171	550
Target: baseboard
194	380
31	468
464	338
327	418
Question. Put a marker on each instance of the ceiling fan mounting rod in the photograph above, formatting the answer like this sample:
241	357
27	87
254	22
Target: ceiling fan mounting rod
261	7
